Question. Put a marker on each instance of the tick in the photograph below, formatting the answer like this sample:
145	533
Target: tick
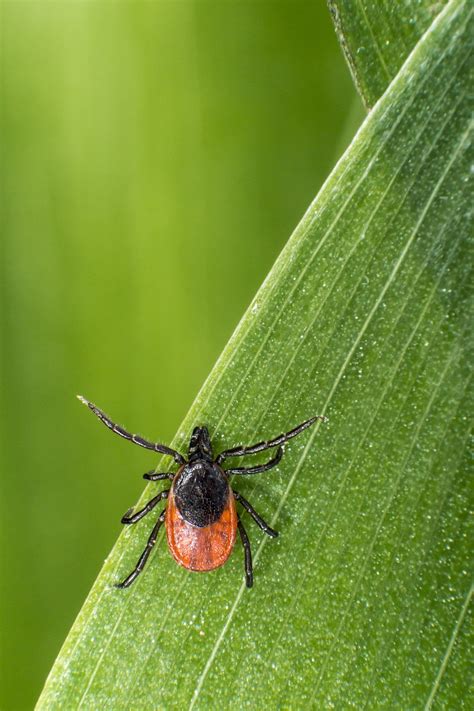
201	518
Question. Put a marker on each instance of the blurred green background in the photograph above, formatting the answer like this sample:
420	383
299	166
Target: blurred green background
155	157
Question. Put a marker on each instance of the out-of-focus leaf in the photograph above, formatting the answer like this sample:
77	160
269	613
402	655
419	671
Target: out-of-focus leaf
146	160
377	37
364	599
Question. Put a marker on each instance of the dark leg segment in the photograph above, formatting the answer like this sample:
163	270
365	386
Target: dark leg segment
258	519
126	518
268	444
248	554
154	476
136	439
259	468
144	556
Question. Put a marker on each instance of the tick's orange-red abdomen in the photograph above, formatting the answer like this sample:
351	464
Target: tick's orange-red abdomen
201	549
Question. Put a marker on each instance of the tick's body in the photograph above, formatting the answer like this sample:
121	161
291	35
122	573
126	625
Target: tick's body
201	518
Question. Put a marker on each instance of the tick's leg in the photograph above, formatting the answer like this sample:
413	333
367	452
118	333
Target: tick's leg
144	556
260	467
153	476
248	554
126	518
136	439
268	444
258	519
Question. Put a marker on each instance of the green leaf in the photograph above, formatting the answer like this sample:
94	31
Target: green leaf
365	597
377	38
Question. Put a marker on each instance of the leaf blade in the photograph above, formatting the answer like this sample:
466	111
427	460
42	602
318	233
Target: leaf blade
377	38
374	272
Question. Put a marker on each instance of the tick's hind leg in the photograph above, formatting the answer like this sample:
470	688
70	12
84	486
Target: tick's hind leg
145	555
258	519
248	554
